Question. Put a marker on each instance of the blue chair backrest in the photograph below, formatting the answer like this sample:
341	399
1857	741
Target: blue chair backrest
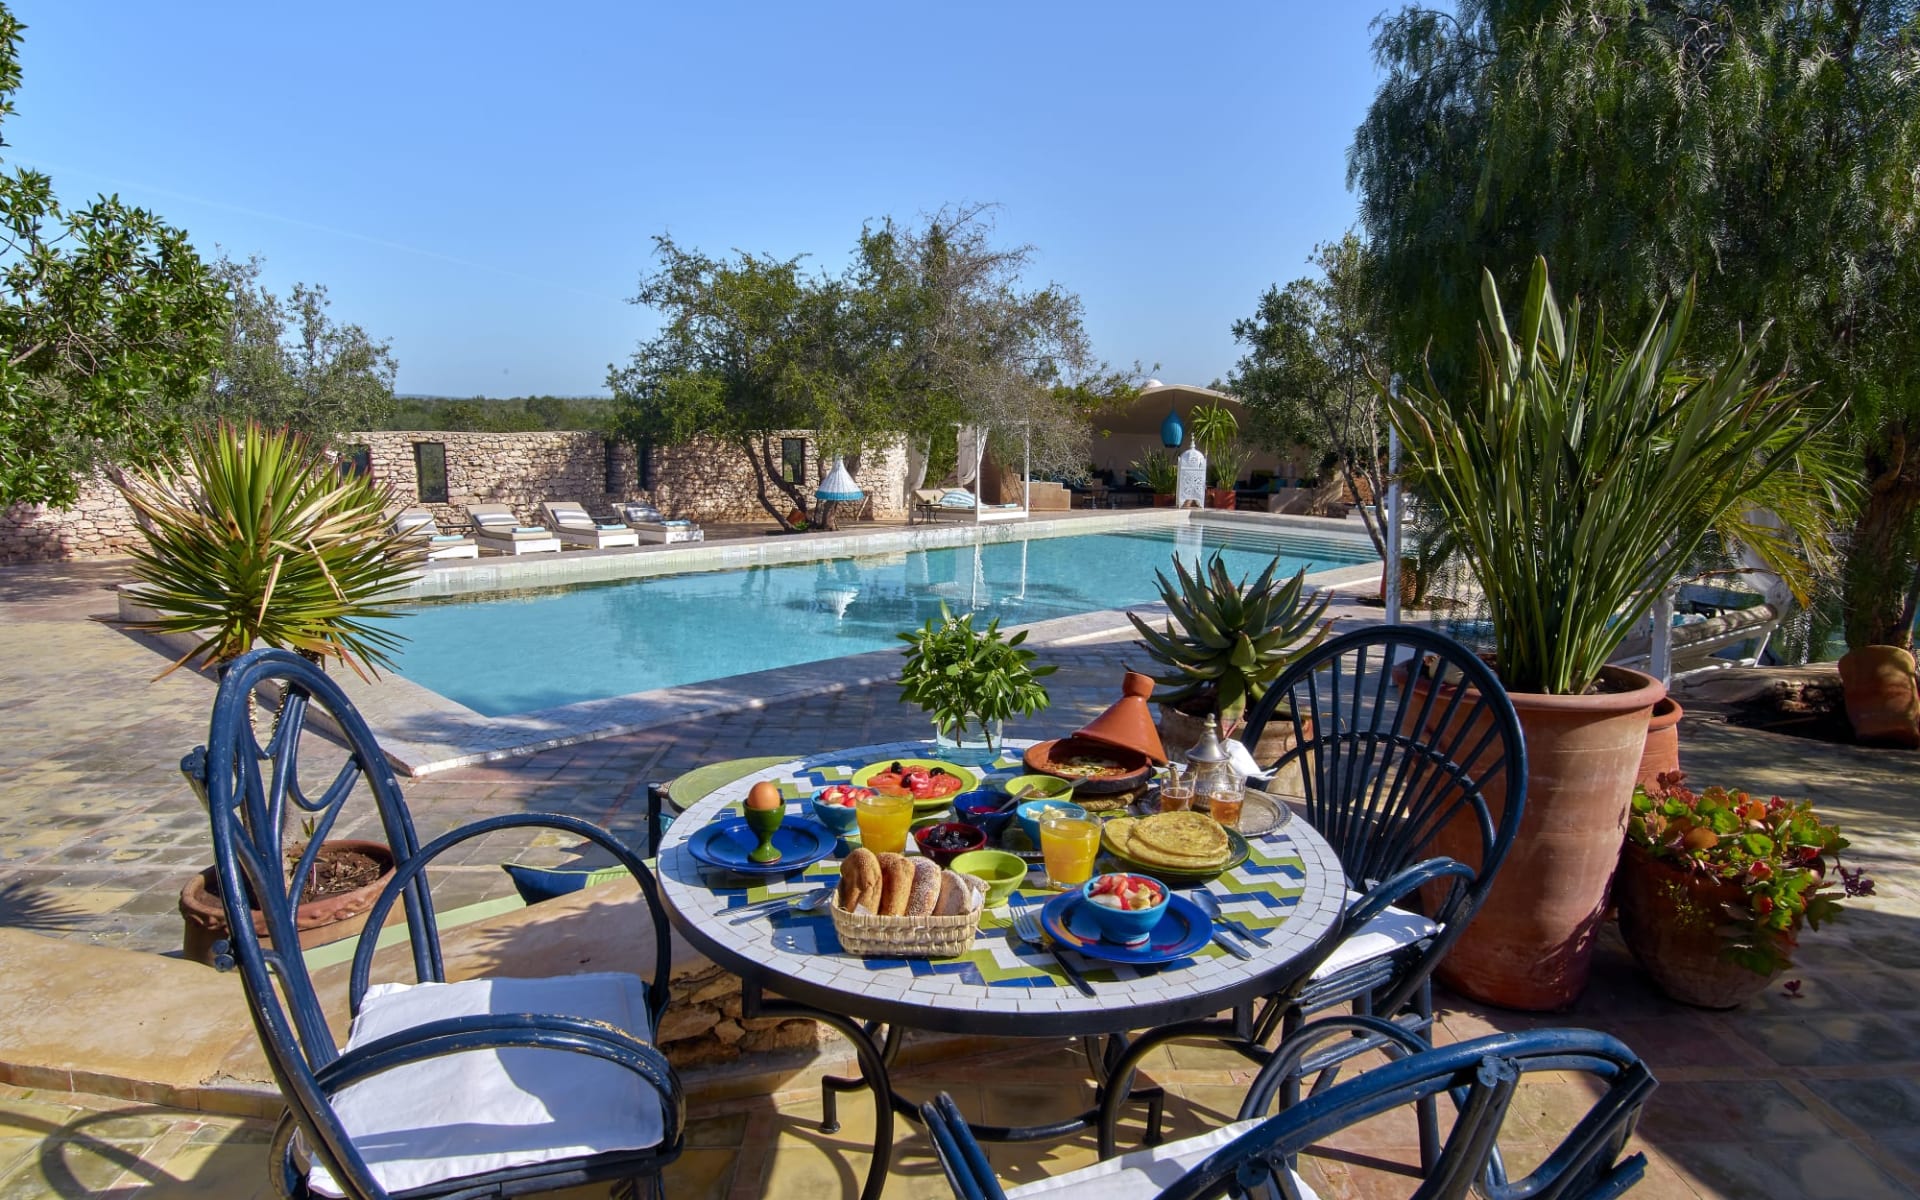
1400	734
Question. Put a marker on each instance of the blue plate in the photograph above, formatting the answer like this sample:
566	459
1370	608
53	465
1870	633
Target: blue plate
726	843
1181	931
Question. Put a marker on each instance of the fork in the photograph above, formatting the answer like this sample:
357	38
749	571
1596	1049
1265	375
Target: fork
1027	926
784	905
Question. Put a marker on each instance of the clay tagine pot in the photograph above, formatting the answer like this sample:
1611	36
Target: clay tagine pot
1127	724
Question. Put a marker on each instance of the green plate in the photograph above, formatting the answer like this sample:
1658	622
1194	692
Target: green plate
968	779
1237	852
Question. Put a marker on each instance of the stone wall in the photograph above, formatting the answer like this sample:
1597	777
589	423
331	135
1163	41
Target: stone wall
703	481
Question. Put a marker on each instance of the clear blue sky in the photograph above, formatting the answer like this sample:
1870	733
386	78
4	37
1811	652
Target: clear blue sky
478	182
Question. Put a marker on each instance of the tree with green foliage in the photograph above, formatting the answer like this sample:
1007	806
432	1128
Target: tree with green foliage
1304	378
287	364
1766	149
108	324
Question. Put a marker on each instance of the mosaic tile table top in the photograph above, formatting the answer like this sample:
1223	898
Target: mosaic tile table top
1290	886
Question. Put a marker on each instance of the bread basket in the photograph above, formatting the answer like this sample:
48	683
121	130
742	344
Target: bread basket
868	936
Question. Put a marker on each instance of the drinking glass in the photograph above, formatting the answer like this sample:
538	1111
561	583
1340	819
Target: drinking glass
1069	845
884	821
1176	795
1224	807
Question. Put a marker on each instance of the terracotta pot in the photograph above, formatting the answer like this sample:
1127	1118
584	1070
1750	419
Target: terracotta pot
1882	700
1221	498
1670	920
319	921
1662	754
1180	732
1530	946
1163	499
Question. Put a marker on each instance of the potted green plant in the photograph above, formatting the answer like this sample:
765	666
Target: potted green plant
1215	431
1161	475
970	679
261	541
1578	479
1223	643
1714	887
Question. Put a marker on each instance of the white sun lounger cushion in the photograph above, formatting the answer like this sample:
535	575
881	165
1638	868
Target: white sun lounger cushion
495	518
642	512
447	537
958	499
488	1110
410	522
1142	1174
1393	929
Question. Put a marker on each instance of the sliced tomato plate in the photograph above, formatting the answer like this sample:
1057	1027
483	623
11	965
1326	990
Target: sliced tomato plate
931	782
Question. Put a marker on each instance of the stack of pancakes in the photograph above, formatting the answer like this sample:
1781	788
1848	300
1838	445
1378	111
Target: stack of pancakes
1174	841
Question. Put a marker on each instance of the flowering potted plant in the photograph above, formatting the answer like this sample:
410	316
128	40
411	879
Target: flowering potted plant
1714	886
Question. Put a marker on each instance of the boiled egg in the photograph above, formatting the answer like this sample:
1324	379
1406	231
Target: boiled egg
765	795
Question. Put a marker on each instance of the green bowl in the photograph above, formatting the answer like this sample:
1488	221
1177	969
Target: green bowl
1002	872
1045	787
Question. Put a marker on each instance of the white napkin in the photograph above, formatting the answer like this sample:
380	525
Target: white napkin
1242	760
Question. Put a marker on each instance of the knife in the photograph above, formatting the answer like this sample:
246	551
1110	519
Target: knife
1230	944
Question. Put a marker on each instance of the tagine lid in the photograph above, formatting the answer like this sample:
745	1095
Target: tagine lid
1127	724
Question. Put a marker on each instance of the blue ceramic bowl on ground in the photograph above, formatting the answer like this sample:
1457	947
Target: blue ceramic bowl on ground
1030	812
1124	926
840	820
976	809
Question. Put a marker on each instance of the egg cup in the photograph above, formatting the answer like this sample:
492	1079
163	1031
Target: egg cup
765	822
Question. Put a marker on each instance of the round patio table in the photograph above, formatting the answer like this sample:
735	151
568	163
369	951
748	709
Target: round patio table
1291	889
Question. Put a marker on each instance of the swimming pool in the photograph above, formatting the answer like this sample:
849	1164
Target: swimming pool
527	651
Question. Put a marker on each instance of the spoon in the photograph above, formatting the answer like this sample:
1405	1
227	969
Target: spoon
811	902
1014	798
1205	901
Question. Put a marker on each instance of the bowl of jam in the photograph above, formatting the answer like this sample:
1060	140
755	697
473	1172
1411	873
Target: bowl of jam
948	840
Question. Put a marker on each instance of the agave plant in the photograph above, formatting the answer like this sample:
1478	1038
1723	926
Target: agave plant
1580	480
260	540
1233	640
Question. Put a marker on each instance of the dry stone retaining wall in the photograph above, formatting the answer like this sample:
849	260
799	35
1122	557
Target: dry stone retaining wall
703	481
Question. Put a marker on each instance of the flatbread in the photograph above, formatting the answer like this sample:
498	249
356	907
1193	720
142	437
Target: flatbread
1183	834
1122	837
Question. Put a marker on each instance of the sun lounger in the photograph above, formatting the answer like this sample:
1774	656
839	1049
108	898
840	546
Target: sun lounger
418	522
653	526
576	528
496	528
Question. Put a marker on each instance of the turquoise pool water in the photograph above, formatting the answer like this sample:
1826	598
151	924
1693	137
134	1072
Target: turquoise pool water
528	651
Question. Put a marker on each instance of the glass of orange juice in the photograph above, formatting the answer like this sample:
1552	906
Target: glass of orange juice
1069	846
884	821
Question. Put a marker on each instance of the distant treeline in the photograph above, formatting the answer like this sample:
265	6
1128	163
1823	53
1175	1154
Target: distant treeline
517	414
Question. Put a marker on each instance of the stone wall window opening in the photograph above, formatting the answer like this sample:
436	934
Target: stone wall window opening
643	463
430	469
612	478
793	459
356	458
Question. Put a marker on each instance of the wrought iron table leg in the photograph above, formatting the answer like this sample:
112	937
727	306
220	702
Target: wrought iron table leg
832	1085
1119	1090
873	1071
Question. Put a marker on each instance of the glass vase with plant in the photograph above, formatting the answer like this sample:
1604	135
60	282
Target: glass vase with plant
1721	877
970	679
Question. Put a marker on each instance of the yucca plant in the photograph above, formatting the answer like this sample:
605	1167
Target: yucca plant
1158	471
260	540
1579	479
1232	640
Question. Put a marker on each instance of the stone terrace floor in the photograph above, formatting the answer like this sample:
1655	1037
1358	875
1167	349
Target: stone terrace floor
1815	1095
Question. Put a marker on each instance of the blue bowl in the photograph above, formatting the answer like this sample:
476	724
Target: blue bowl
840	820
976	809
1029	814
1124	926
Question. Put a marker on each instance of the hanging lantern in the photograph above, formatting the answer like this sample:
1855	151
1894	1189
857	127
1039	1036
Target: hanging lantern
1172	431
838	485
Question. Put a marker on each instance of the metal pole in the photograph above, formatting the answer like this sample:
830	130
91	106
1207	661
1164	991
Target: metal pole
1392	566
1660	649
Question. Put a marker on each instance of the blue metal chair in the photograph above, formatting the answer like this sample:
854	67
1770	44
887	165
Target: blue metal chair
1257	1154
1409	757
485	1087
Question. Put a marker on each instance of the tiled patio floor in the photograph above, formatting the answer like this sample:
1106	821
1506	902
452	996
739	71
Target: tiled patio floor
1816	1095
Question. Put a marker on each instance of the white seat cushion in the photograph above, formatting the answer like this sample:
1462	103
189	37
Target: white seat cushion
488	1110
1142	1174
1392	929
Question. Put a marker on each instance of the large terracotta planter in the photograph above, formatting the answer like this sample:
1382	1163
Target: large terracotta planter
1180	732
1670	919
1662	754
1221	498
320	921
1163	499
1531	944
1882	700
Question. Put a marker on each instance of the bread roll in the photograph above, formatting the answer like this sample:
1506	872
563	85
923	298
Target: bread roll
860	881
896	875
956	898
925	892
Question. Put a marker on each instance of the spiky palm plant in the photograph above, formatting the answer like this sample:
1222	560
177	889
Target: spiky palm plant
1233	640
261	541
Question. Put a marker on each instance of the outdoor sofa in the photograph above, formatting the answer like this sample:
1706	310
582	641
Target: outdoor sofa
496	528
577	528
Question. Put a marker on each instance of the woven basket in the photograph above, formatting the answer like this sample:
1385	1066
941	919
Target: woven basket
905	937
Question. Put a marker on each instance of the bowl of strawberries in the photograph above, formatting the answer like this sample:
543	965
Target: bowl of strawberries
1125	907
835	806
